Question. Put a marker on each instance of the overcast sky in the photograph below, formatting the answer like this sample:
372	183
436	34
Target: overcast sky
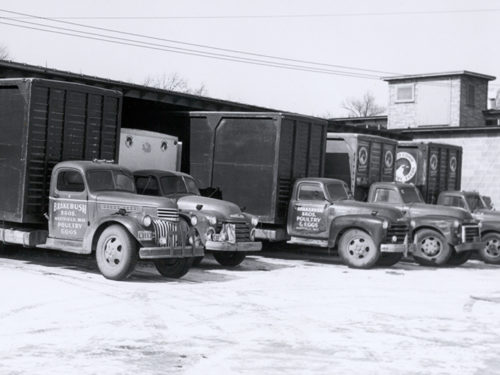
354	35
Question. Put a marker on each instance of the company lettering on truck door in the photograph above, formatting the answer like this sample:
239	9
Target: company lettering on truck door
309	210
68	207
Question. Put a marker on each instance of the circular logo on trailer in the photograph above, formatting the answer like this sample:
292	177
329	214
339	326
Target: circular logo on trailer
434	162
453	163
388	159
363	155
406	167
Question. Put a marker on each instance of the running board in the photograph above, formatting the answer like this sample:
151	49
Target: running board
307	242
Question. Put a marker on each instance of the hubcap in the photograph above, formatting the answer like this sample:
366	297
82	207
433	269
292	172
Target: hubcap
358	248
430	246
493	247
113	253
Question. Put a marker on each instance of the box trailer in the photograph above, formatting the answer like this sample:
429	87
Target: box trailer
432	167
140	148
43	122
253	158
360	160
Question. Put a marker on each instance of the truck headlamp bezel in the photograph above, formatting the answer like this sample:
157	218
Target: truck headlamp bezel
147	221
194	220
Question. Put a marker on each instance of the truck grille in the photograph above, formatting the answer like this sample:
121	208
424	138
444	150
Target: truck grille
469	232
171	214
399	230
242	230
170	231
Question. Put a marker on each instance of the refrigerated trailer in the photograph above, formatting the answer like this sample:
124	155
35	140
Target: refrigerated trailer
432	167
360	160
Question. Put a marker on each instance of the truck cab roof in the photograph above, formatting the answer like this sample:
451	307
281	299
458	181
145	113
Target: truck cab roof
323	180
84	166
159	173
391	184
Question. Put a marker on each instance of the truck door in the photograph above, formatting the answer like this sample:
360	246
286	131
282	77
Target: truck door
308	212
68	206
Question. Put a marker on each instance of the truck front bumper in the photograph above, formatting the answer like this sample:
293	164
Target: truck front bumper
470	246
159	252
394	248
238	246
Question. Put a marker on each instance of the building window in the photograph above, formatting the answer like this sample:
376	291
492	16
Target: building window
471	95
405	93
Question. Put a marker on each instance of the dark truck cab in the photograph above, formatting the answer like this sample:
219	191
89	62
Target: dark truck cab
220	226
323	213
490	231
442	235
93	206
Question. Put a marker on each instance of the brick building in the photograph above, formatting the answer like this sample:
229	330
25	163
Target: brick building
452	99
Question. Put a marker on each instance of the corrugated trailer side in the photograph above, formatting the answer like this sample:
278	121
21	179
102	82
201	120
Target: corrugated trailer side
50	121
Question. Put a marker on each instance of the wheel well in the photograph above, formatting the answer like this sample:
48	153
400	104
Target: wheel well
341	233
101	229
414	232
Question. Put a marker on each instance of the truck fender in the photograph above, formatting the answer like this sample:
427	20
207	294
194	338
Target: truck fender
489	227
93	232
367	223
430	222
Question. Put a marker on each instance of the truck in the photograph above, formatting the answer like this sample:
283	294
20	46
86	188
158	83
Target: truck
220	226
271	165
431	167
442	235
474	203
360	160
58	194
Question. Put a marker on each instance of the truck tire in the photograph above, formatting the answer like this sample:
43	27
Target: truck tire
116	253
432	249
491	252
457	259
197	261
229	258
173	268
358	250
389	259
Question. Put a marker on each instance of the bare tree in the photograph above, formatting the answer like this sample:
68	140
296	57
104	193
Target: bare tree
363	107
4	53
174	82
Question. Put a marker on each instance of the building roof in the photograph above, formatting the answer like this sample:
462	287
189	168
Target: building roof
438	75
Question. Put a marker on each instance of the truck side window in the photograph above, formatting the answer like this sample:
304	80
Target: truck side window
310	192
387	196
453	202
70	181
147	185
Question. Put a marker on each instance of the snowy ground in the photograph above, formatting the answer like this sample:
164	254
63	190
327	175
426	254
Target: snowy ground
274	315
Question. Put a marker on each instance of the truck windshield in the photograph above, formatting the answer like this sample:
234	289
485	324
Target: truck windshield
411	195
110	180
179	185
337	191
475	202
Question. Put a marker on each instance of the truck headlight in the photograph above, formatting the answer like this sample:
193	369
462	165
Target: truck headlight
385	224
413	224
212	220
480	225
146	220
255	221
194	220
456	223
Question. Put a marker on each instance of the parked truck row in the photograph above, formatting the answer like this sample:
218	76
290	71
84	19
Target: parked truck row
74	180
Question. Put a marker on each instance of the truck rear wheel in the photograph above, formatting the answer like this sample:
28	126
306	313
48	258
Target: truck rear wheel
116	253
432	249
229	258
389	259
357	249
491	252
173	268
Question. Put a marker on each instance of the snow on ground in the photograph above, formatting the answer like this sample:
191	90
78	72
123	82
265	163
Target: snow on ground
285	315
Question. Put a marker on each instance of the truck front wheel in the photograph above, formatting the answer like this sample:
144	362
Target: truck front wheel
229	258
432	249
491	252
173	268
116	253
357	249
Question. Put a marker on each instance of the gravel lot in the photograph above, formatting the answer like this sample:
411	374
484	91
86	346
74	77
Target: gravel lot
279	313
